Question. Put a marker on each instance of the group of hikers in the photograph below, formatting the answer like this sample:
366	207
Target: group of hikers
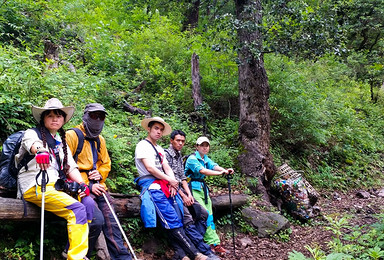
78	159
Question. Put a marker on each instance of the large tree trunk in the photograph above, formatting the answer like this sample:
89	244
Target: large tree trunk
254	130
192	15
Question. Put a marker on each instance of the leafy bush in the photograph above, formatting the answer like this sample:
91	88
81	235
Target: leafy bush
324	121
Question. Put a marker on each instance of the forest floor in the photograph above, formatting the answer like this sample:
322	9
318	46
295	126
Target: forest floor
313	234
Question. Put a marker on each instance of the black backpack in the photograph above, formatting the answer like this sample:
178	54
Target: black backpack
185	158
8	169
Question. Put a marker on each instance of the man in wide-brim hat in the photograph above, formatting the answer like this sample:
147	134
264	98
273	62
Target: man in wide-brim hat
145	123
158	181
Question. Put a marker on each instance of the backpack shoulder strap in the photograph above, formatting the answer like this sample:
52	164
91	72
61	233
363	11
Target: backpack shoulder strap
80	144
98	143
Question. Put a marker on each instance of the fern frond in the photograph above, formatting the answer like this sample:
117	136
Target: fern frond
19	122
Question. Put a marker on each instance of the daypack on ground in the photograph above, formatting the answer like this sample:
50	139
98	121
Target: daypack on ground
299	197
8	169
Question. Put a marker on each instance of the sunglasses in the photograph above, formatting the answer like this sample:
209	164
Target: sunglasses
97	115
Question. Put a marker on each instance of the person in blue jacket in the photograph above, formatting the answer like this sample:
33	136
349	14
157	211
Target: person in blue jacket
199	165
159	187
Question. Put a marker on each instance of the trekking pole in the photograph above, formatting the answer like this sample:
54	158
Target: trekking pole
43	186
118	223
229	176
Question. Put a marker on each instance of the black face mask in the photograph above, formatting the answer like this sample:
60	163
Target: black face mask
93	127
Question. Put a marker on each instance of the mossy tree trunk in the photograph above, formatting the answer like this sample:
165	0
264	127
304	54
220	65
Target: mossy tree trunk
254	130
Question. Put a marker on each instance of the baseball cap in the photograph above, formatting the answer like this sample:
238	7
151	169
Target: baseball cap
201	140
93	107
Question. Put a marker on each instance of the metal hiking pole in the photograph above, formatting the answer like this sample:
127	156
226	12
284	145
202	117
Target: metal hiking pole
229	176
118	223
43	186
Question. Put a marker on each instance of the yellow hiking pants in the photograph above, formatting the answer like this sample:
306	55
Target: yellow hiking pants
65	206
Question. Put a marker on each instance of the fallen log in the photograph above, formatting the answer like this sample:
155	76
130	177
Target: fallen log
135	110
126	206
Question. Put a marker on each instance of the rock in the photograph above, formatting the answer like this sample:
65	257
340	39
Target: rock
363	194
267	223
152	245
245	242
101	248
380	193
358	208
336	196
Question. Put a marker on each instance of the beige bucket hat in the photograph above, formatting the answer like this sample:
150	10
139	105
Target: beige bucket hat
52	104
146	121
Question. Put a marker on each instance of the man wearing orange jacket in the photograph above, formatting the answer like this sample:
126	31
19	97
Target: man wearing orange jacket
89	150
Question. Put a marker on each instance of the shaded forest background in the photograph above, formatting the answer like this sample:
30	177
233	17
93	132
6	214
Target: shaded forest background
324	61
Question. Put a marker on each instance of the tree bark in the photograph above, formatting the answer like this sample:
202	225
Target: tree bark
192	15
254	130
126	206
199	116
196	88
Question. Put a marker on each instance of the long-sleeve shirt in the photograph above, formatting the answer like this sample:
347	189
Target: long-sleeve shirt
27	178
85	158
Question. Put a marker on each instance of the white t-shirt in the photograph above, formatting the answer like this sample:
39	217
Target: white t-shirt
144	150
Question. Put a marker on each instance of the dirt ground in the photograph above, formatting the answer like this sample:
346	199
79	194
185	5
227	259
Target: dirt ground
331	203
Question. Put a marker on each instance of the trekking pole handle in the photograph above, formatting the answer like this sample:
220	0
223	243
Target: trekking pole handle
44	179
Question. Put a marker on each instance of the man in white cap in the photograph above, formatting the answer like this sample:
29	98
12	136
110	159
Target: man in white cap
159	188
90	152
198	166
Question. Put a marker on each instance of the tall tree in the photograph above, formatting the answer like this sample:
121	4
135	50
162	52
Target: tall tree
256	160
191	15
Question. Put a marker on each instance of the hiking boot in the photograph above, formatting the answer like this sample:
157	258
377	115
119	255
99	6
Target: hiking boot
200	256
218	249
64	254
212	256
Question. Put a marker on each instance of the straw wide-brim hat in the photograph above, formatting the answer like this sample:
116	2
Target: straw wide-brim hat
146	121
52	104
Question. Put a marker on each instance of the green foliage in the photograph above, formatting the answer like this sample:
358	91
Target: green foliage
365	242
283	236
22	251
121	147
323	120
336	225
294	255
22	241
320	114
244	226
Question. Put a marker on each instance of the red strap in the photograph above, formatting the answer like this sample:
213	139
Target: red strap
164	187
